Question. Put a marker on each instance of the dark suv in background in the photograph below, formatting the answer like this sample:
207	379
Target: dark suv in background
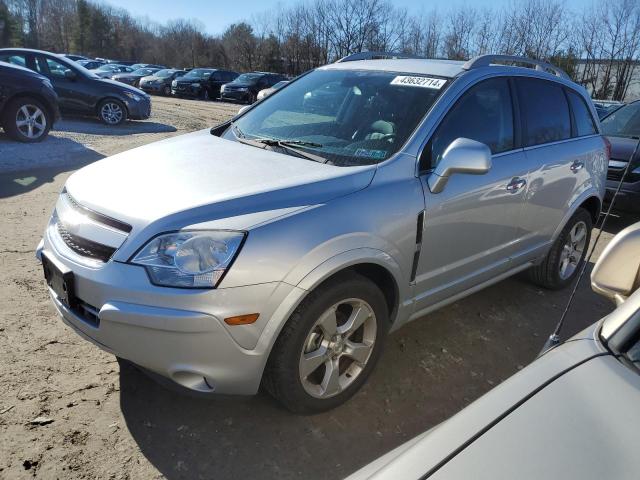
28	103
79	90
203	83
245	88
160	81
622	129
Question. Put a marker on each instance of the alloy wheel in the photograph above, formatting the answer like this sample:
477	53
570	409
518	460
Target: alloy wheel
31	121
573	250
337	348
111	113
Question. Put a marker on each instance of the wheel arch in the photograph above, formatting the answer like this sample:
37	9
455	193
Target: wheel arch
111	97
590	201
36	96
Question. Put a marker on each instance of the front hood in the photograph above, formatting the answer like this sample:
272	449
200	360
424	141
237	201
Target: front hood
622	147
198	177
122	86
239	85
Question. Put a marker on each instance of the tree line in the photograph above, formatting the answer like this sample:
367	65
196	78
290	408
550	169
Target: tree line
598	45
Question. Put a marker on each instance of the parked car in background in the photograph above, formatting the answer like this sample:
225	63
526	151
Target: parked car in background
268	91
121	62
79	90
91	64
160	81
137	66
133	78
309	237
245	87
110	69
605	107
204	83
622	128
323	100
28	103
75	58
572	414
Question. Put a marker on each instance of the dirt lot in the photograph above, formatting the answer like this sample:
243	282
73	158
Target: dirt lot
105	420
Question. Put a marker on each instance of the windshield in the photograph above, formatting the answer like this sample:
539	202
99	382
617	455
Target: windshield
347	117
143	71
624	122
164	73
109	67
248	78
198	73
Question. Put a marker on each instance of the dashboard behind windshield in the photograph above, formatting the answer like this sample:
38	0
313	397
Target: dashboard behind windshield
346	117
624	122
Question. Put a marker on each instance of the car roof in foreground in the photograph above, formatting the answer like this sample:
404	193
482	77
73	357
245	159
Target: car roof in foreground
440	68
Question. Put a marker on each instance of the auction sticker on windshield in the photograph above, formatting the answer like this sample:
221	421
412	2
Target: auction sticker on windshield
424	82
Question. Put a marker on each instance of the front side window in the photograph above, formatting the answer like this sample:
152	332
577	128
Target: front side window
624	122
484	114
545	110
346	117
581	115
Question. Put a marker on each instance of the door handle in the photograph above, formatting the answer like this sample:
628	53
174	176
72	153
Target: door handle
516	184
576	166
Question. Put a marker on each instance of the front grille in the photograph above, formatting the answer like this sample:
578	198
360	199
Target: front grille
98	217
84	247
88	313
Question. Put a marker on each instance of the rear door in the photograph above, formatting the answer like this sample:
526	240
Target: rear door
471	226
561	147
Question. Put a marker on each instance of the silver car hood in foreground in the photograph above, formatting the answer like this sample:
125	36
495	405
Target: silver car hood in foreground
198	177
572	413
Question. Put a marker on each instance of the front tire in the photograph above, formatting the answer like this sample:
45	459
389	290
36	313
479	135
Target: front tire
26	120
329	345
567	254
112	112
166	91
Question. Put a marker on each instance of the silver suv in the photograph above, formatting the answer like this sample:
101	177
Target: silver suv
280	248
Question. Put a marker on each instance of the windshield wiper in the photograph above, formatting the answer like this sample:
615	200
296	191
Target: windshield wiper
289	145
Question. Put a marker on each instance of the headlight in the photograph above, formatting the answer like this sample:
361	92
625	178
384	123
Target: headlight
189	259
222	88
195	84
133	96
174	83
243	89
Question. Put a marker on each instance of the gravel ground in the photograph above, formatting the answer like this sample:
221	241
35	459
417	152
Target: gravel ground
69	410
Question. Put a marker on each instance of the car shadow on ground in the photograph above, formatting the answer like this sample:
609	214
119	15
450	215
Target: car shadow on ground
20	173
431	369
93	126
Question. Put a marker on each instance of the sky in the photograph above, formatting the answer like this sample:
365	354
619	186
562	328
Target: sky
216	15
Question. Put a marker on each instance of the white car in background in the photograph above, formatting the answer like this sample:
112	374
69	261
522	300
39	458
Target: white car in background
268	91
574	413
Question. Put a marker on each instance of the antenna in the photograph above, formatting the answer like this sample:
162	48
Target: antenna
554	338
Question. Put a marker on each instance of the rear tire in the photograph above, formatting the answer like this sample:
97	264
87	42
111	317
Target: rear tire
342	326
567	254
112	112
26	120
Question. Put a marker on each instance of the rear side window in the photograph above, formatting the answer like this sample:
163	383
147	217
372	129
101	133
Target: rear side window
545	109
581	115
484	113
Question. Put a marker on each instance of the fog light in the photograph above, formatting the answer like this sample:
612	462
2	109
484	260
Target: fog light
242	319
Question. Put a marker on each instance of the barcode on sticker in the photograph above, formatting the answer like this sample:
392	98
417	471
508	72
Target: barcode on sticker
424	82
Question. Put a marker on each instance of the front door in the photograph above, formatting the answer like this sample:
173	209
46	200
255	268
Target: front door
470	227
72	94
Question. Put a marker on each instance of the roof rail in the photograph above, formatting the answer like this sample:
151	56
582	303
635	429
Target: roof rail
486	60
376	56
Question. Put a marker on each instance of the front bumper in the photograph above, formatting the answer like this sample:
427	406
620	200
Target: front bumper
629	197
235	95
187	90
177	333
152	88
140	110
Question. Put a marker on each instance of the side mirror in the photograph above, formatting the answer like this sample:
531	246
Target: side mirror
616	274
69	74
463	155
244	109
